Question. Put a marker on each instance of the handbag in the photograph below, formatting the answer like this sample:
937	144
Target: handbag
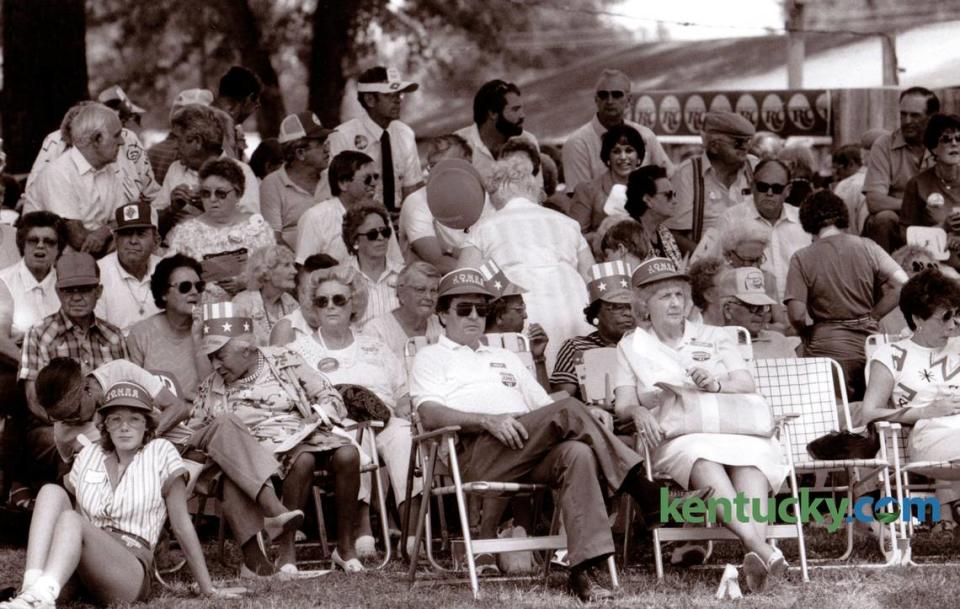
838	445
686	410
363	404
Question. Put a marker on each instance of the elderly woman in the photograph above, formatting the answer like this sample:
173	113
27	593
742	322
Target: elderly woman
290	408
221	236
701	358
843	283
271	276
915	374
416	316
367	233
169	341
651	201
347	357
540	249
621	150
103	524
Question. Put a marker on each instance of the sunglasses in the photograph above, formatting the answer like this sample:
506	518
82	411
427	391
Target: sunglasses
462	309
951	314
605	95
764	187
947	138
218	194
82	290
116	421
752	308
919	266
36	241
373	234
371	178
184	286
338	300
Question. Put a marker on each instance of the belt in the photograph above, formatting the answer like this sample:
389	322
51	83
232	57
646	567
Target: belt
854	320
130	539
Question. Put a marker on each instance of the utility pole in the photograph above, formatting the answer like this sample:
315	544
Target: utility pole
796	47
891	71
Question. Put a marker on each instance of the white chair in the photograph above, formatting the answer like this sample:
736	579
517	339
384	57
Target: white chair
744	344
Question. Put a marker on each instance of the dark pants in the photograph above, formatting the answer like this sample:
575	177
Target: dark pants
884	228
28	454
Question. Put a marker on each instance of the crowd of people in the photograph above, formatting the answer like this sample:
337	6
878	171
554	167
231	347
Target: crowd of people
176	309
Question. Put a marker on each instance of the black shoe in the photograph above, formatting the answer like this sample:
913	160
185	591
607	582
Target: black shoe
584	587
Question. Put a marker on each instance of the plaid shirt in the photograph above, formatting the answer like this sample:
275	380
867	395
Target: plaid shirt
57	336
162	155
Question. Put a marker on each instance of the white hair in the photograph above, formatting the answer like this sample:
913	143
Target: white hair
90	121
742	232
510	178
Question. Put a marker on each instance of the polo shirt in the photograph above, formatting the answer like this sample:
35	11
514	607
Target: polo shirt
57	336
70	187
717	197
581	153
282	202
126	299
178	174
483	159
32	300
488	380
417	222
320	230
892	163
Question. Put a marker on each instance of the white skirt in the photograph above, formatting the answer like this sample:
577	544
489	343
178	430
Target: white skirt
675	457
936	440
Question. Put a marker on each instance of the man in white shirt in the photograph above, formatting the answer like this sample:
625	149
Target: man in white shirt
581	151
850	172
125	273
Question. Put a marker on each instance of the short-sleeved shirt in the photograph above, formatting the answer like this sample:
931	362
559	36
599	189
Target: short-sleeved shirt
850	189
717	197
571	355
482	158
922	190
320	230
154	345
126	299
837	277
178	174
57	336
892	163
581	152
921	375
32	300
417	222
282	202
387	330
488	380
134	503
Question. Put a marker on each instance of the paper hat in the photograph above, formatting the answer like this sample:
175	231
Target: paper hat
115	97
610	282
745	284
136	215
383	80
75	269
220	324
130	395
455	193
463	281
653	270
497	282
302	125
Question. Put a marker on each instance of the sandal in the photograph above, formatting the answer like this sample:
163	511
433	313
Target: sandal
756	571
275	526
349	566
777	565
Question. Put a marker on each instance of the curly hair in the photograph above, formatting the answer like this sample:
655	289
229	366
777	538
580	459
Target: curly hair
345	274
262	262
41	219
703	274
511	177
743	232
106	442
926	293
622	134
354	218
195	120
228	169
821	209
160	280
938	125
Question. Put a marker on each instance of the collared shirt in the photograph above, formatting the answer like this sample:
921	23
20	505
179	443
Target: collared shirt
581	152
320	230
850	189
162	155
488	380
70	187
282	202
363	135
717	197
891	164
786	238
32	300
126	299
381	292
483	159
178	174
132	167
57	336
417	222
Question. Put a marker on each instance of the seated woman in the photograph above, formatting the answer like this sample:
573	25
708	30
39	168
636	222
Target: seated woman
291	409
914	375
335	296
271	275
367	233
652	201
705	355
221	236
123	489
416	316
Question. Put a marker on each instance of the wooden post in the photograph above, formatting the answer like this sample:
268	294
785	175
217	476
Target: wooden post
796	46
891	73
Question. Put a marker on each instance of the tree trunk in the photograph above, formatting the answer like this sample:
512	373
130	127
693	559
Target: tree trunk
44	72
332	34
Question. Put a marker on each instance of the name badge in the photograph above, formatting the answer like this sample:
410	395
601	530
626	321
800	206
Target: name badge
700	356
328	364
497	365
94	477
508	379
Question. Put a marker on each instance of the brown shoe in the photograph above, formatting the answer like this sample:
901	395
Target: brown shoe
586	588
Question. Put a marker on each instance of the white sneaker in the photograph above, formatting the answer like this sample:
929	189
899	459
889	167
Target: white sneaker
29	599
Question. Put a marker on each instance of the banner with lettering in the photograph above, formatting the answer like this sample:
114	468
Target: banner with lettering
790	112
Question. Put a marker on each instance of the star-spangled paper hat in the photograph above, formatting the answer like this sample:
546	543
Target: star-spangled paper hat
610	282
497	282
220	324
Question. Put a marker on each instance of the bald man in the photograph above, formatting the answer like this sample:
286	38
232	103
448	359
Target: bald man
581	151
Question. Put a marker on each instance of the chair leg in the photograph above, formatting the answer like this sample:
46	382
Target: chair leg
464	518
384	526
612	567
423	515
626	504
657	551
801	544
321	521
405	514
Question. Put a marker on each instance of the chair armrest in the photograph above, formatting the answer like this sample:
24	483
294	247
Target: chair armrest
443	431
364	425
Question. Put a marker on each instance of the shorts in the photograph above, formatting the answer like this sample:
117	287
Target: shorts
142	553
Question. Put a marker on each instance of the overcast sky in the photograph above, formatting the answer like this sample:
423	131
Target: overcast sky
729	18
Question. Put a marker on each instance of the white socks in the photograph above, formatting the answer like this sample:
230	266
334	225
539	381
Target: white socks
45	587
30	577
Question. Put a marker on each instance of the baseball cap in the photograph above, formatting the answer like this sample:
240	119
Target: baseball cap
383	80
115	97
610	282
220	324
498	282
728	123
463	281
745	284
203	97
136	215
455	193
129	395
653	270
77	269
302	125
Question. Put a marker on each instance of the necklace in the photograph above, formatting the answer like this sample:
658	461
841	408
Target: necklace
947	184
250	378
141	303
266	310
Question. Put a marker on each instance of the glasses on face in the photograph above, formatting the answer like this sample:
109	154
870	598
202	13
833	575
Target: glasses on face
950	138
79	290
371	178
37	241
950	314
605	95
373	234
184	287
765	187
116	421
738	143
219	194
616	307
338	300
752	308
462	309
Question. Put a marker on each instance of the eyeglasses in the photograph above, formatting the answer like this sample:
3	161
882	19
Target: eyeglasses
371	178
953	314
764	187
338	300
615	307
462	309
218	193
184	286
36	241
116	421
605	95
948	138
373	234
81	290
752	308
670	195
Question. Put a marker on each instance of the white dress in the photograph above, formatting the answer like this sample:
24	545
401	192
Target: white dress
643	360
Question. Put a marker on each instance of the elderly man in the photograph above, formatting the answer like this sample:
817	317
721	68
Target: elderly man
163	154
720	178
893	160
125	273
742	301
512	431
581	151
381	135
80	185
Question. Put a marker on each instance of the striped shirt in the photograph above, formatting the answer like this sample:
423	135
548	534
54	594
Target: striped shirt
134	503
381	293
571	355
57	336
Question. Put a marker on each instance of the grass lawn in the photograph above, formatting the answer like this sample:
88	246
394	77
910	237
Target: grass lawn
923	587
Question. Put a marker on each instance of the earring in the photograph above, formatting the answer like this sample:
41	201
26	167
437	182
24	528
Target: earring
595	321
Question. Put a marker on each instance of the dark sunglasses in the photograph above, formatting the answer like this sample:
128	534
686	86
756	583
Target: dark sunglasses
951	314
371	178
184	286
752	308
373	234
338	300
219	194
919	266
462	309
605	95
764	187
79	289
36	241
948	138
